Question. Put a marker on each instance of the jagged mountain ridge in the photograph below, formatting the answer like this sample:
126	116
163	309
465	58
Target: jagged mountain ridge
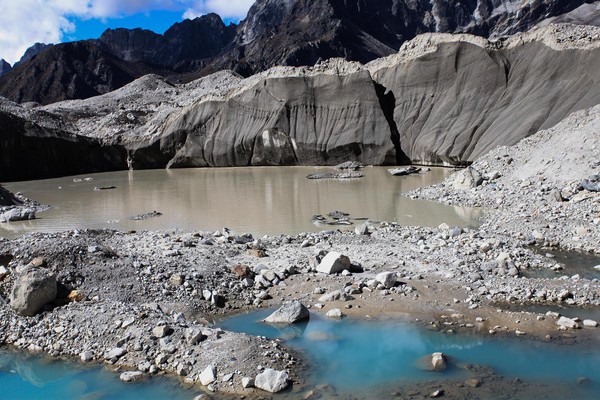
443	99
275	32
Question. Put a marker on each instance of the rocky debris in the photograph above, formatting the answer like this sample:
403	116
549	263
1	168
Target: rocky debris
131	376
289	313
350	166
271	380
404	171
142	217
334	263
337	175
532	174
33	289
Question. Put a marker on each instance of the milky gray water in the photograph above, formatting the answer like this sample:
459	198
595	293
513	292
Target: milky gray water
258	200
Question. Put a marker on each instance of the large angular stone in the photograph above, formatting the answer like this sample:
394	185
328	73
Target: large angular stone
289	313
271	380
33	289
333	263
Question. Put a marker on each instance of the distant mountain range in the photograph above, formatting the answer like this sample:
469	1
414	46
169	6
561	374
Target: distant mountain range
275	32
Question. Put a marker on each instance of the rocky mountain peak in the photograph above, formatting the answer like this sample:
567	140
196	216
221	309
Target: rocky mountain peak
196	39
32	52
4	67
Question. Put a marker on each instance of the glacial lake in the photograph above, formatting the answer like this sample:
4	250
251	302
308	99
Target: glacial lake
352	355
257	200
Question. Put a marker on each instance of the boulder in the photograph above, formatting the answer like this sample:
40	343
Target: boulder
350	165
208	376
387	279
289	313
271	380
247	382
131	376
162	331
333	263
334	313
404	171
467	179
33	289
567	323
18	214
435	362
438	362
590	323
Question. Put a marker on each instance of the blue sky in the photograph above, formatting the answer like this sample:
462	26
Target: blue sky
157	21
25	22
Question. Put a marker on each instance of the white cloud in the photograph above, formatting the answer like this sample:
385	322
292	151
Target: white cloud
234	9
25	22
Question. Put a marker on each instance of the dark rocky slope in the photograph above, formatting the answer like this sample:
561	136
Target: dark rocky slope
69	71
31	151
291	32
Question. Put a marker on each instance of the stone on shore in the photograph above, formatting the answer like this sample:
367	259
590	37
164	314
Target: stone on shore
33	289
567	323
590	323
247	382
131	376
467	179
289	313
334	263
208	376
387	279
271	380
334	313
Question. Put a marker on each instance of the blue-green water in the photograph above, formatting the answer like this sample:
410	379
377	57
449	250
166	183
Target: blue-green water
351	354
24	377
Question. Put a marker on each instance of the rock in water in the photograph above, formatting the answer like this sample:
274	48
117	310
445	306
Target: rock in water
131	376
289	313
468	178
404	171
33	289
333	263
18	214
438	362
271	380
